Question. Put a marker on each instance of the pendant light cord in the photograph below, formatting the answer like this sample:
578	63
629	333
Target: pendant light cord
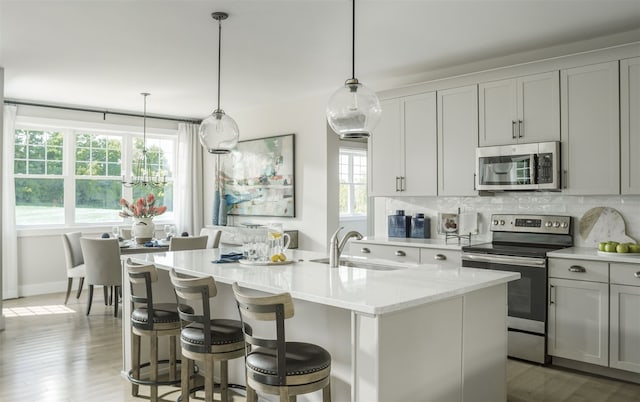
353	40
219	52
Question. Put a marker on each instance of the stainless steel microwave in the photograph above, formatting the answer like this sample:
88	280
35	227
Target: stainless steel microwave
519	167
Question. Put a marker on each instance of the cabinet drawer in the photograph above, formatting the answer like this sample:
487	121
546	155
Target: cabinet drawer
440	256
625	274
393	253
582	270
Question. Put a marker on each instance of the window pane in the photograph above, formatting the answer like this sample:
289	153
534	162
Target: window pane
160	154
98	154
344	199
97	200
360	199
54	168
39	201
34	167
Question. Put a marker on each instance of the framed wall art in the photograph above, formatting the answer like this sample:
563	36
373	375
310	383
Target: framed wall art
447	223
258	177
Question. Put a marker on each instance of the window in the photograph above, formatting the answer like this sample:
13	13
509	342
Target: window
353	182
67	176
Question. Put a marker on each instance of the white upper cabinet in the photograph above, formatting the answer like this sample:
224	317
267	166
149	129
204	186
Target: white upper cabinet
385	150
590	129
630	125
403	148
520	110
457	140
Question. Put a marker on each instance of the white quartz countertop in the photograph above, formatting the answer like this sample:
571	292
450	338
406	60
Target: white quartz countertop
357	289
591	253
452	244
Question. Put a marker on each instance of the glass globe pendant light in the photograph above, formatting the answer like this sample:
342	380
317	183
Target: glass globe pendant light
353	110
219	132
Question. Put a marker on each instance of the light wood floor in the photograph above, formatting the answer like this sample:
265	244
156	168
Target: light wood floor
49	354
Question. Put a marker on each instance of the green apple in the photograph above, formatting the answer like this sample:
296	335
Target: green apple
634	248
614	243
610	248
622	248
602	245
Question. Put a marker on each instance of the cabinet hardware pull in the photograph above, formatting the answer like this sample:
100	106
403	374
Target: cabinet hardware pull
564	179
520	129
577	268
403	183
637	274
474	182
397	180
365	250
440	257
400	253
551	294
513	129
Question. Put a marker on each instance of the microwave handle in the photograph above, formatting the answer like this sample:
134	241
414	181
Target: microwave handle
533	162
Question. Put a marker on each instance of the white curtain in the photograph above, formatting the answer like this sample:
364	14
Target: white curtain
188	185
9	234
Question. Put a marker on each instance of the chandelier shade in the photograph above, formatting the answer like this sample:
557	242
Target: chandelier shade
141	175
219	132
353	111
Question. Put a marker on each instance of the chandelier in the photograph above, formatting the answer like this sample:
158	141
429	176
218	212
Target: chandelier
353	110
141	175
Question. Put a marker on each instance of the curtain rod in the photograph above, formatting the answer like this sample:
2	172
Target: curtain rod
103	112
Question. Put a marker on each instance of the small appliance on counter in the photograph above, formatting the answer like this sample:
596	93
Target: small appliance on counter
420	227
399	225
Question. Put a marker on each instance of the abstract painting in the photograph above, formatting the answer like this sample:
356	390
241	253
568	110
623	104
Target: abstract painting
258	177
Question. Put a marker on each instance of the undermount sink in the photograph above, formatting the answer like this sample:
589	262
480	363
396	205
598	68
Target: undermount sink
361	264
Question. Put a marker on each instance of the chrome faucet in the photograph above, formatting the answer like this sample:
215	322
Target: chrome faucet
336	247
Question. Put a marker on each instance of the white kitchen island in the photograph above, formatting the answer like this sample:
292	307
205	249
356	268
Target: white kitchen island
421	333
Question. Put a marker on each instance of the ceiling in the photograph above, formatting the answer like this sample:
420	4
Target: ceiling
102	54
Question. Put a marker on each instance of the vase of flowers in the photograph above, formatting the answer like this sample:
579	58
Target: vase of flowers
143	210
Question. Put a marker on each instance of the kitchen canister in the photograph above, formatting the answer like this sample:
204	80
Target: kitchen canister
420	227
399	225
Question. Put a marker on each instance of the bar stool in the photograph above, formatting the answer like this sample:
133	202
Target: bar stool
202	338
275	366
150	320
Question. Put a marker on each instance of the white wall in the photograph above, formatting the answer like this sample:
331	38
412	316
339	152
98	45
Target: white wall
1	164
507	203
306	119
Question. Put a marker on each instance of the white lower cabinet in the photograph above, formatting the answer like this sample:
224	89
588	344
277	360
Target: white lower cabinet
625	317
594	312
386	252
579	310
446	257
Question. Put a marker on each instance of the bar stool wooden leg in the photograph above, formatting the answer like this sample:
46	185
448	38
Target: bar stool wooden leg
172	358
251	394
135	356
224	380
208	379
153	354
185	370
326	393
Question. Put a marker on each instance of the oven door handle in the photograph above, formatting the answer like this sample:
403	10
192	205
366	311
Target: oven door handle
506	259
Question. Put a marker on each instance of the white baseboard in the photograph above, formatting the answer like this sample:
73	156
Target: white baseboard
44	288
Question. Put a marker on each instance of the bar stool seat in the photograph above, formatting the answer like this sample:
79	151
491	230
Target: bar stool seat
205	339
152	321
274	365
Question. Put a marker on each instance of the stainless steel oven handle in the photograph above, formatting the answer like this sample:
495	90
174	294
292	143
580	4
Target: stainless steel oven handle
506	259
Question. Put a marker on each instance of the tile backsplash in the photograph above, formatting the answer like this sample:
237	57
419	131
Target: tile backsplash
508	203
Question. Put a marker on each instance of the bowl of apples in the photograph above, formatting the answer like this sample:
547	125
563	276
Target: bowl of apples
614	247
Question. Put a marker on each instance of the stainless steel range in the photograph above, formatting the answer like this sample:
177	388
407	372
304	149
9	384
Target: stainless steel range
520	244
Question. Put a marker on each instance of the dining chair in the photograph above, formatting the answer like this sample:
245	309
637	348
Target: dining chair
103	267
277	366
203	338
188	243
214	236
74	260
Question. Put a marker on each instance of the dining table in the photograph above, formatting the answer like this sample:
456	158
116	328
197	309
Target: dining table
153	246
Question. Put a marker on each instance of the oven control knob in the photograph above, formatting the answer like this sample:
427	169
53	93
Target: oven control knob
501	222
548	224
556	224
565	225
495	222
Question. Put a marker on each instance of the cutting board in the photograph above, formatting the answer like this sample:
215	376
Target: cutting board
603	224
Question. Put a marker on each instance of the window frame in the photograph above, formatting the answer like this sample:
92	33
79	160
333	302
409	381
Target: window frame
69	128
